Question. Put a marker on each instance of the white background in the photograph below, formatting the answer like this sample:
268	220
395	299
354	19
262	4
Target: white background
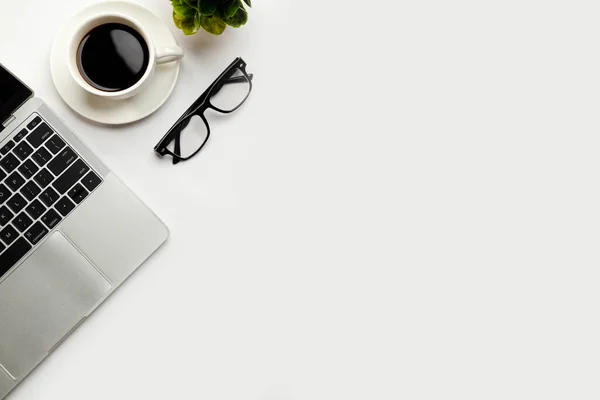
406	208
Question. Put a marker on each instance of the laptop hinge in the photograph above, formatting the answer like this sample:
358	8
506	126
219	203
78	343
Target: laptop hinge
9	121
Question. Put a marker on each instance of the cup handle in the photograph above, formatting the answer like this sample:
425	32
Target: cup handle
169	54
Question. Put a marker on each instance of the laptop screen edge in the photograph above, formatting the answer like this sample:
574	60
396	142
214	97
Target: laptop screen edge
13	94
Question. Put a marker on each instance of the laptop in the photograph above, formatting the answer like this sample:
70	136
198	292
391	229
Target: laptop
70	231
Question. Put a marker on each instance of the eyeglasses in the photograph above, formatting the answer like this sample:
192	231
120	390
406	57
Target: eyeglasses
191	132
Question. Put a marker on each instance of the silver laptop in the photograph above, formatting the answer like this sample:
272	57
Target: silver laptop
70	231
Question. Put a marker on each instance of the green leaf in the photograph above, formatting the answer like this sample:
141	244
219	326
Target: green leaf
188	26
179	16
212	24
191	3
177	19
211	15
230	8
197	22
240	18
184	10
207	7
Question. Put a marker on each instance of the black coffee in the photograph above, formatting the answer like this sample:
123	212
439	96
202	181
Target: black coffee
113	57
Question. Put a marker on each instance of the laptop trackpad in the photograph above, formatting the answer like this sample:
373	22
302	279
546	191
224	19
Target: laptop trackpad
46	297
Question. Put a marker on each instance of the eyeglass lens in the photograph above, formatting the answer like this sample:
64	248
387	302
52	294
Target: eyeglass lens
194	130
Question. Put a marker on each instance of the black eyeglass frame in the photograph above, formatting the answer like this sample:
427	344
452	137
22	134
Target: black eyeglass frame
199	107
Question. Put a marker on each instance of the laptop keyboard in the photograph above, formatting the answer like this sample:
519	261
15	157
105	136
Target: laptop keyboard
42	180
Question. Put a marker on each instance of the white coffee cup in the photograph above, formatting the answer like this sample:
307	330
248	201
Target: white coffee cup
156	55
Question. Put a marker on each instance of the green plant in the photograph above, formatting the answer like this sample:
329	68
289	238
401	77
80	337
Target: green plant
211	15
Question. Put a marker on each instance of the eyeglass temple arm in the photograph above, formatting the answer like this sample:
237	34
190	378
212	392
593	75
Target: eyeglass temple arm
201	99
237	79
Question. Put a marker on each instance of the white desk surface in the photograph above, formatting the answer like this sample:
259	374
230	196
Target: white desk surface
407	207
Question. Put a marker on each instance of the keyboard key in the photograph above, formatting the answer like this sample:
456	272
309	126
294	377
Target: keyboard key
13	254
4	193
91	181
64	206
16	203
41	156
28	169
22	150
9	162
55	144
22	222
49	197
35	122
20	136
36	233
2	175
62	161
2	247
51	218
78	193
39	136
35	209
30	190
5	215
8	234
15	181
43	178
7	147
71	176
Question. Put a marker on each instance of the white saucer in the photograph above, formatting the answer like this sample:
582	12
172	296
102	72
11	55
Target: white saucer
115	112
